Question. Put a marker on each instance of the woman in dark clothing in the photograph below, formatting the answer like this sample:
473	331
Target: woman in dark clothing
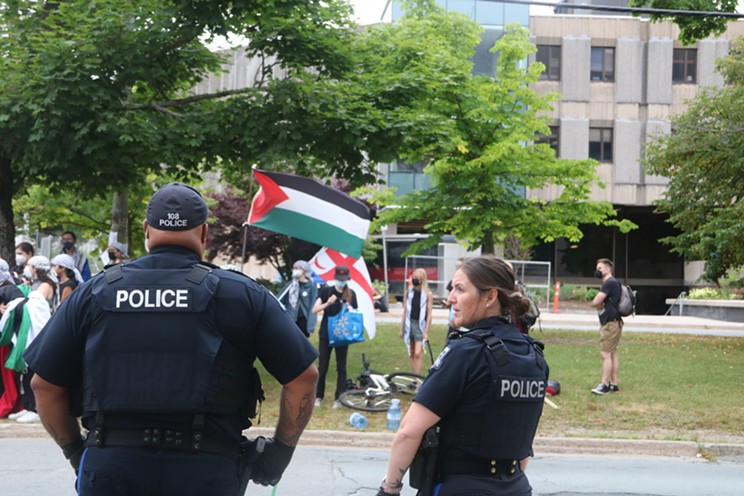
330	301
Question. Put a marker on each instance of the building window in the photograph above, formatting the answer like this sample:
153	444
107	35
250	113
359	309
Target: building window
550	55
684	65
603	64
551	140
600	144
407	177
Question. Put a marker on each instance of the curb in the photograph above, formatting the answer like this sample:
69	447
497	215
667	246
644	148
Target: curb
542	446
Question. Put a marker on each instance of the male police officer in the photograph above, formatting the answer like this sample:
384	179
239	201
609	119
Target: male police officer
164	349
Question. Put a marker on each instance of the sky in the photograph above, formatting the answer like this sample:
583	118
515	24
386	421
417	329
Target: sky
369	11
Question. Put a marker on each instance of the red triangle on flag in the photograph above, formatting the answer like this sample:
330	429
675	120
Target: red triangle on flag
269	196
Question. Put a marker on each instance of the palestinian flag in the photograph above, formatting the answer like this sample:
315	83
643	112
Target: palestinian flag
306	209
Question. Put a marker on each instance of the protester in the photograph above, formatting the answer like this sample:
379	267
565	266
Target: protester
416	320
10	401
81	261
299	295
117	253
23	253
67	274
330	301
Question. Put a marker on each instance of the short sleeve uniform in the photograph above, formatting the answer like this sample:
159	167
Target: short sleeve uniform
248	317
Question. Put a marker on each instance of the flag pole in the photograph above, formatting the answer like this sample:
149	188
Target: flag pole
245	224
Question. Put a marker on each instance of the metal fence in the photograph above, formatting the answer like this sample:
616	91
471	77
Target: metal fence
535	276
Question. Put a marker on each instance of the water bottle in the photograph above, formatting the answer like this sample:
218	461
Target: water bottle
358	420
393	415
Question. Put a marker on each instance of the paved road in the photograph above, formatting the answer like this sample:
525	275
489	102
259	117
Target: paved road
34	466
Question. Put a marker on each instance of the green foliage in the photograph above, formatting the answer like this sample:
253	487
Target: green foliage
480	139
705	294
704	161
692	29
574	292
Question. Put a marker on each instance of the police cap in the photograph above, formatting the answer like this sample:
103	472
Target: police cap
176	207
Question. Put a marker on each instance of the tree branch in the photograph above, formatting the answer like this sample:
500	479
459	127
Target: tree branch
161	106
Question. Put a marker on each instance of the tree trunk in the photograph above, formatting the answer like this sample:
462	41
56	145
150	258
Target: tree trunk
488	247
7	228
120	216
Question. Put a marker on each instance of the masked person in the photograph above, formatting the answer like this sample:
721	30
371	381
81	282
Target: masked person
330	301
68	241
23	253
299	296
117	253
162	350
416	320
611	326
485	393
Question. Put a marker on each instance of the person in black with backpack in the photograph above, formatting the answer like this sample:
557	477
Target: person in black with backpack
611	325
483	398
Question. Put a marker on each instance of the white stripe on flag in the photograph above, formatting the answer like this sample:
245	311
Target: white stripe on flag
318	208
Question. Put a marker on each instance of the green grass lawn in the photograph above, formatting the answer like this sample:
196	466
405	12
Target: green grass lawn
672	387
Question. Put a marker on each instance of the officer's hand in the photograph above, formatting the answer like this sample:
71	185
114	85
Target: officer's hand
74	452
270	465
382	492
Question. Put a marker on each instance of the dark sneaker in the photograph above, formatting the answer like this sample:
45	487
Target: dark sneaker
601	389
614	388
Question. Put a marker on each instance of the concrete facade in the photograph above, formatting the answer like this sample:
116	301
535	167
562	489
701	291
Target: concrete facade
636	105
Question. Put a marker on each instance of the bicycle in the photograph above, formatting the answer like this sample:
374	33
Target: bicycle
376	391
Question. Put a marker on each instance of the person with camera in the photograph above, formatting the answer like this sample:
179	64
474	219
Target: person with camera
157	356
481	403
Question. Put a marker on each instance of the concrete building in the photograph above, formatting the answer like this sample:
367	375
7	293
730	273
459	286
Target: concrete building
621	79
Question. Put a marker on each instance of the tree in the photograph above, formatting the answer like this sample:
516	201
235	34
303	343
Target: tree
692	28
480	139
704	160
94	96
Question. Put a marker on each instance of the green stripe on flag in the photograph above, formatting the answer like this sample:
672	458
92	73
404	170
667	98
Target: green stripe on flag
311	229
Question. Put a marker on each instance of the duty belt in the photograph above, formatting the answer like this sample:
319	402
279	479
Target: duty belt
194	440
481	466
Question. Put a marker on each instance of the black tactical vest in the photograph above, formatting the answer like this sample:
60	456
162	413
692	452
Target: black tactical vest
154	346
506	427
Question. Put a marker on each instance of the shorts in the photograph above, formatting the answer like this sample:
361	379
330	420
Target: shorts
609	336
417	334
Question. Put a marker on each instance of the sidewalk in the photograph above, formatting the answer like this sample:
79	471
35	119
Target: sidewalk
543	445
589	322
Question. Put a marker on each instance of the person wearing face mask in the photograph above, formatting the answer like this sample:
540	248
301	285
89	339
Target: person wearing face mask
299	295
23	253
611	326
67	274
68	248
484	395
117	253
330	301
416	320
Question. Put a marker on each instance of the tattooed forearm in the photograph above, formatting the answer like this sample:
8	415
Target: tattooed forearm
294	417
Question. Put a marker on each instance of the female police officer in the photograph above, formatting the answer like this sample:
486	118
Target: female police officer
163	347
485	392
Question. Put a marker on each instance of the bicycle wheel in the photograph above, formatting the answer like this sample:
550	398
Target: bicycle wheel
366	401
404	382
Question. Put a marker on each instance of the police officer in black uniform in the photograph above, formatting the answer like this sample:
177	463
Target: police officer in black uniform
161	351
484	393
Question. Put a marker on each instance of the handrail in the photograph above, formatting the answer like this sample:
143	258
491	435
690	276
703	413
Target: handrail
680	301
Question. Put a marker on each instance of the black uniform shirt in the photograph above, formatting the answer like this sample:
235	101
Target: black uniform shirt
460	379
248	316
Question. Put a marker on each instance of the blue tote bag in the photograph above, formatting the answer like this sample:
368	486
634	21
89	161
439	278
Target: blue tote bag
345	328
